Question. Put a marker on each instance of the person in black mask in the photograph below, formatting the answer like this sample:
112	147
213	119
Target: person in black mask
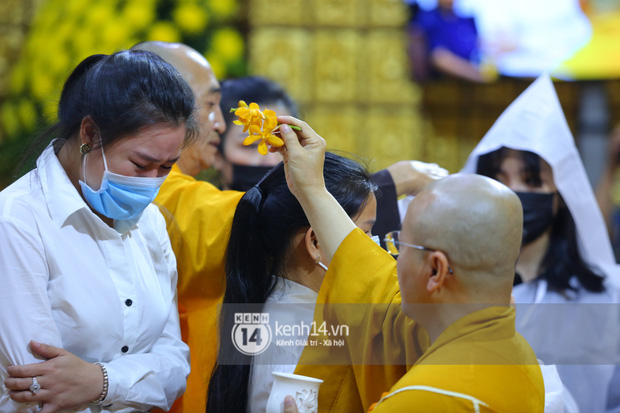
241	167
549	246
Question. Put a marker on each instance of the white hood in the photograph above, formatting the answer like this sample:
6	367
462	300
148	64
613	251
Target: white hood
535	122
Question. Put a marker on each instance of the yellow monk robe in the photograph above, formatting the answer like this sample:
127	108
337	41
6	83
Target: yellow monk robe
501	374
199	218
383	342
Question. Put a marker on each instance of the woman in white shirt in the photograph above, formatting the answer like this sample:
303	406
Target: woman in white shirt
274	262
86	266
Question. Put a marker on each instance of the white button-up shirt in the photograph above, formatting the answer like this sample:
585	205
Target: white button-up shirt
69	280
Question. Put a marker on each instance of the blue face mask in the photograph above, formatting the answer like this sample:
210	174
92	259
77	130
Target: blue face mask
120	197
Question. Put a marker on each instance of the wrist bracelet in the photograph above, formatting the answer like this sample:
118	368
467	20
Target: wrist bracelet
104	392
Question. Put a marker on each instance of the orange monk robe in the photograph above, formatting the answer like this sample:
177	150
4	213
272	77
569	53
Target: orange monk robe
382	344
199	218
478	364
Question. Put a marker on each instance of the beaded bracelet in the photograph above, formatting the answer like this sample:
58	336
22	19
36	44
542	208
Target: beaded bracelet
104	393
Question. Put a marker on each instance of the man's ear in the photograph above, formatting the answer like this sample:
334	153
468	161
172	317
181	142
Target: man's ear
438	262
312	244
89	132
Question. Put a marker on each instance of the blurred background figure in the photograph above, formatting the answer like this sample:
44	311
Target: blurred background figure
566	263
240	167
608	191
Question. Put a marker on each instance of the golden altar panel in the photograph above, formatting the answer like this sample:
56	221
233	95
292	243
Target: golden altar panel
392	134
384	75
284	55
336	62
387	13
338	13
339	125
278	12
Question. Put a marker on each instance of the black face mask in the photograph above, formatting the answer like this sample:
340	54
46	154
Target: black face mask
537	214
246	176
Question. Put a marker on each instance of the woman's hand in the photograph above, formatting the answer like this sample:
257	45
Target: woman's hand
66	380
304	155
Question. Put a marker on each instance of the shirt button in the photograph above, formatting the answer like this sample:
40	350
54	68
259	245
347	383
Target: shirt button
125	349
128	302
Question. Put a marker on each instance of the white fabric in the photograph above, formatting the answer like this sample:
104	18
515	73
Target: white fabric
290	304
65	277
535	122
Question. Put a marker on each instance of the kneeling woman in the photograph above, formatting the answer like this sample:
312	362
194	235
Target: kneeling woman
274	258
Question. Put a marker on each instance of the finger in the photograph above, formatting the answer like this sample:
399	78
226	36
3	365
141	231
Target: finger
306	131
19	384
49	408
291	140
45	350
26	396
289	405
27	370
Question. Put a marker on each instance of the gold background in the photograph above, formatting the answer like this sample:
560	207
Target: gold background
345	62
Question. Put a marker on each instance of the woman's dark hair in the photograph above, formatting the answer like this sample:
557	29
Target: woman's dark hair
266	219
562	259
122	93
257	89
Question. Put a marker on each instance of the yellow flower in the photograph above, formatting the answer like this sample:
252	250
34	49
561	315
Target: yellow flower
228	44
190	18
266	137
248	116
223	8
138	15
165	32
27	114
9	119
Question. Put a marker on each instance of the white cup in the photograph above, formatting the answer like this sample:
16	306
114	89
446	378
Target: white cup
305	391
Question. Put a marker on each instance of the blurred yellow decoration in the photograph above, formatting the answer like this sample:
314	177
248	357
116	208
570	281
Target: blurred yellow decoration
9	118
164	32
138	15
27	114
64	32
223	8
217	64
190	17
228	44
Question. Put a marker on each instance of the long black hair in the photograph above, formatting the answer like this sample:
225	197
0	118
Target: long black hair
122	93
266	219
562	259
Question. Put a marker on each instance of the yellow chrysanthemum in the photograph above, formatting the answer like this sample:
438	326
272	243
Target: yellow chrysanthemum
27	114
138	15
190	18
228	44
165	32
223	8
9	119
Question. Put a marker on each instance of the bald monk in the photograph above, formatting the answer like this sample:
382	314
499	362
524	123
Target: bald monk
459	244
199	218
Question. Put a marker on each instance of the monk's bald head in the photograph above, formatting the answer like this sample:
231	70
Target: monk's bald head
197	72
476	221
192	65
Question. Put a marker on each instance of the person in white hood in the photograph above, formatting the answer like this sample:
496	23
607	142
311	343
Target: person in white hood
566	270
